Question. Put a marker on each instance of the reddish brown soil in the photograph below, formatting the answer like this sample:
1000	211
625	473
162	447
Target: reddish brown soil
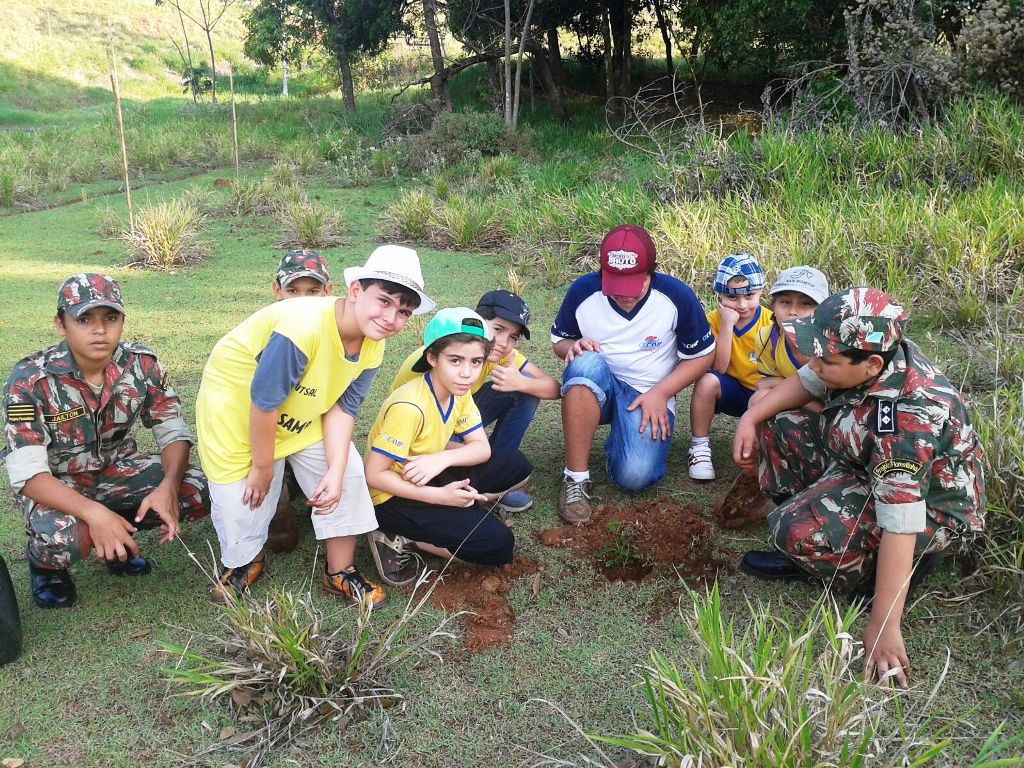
742	505
668	537
482	592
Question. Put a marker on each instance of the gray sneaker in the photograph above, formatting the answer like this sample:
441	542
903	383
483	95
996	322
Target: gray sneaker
397	562
574	501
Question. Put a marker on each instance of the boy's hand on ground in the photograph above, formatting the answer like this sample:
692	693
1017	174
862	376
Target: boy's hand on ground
164	501
744	446
506	378
326	495
461	494
653	413
111	536
581	346
257	486
885	655
422	469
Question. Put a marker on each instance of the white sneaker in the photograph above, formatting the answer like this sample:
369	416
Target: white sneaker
701	467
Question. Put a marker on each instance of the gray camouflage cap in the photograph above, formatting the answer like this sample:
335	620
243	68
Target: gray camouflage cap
82	292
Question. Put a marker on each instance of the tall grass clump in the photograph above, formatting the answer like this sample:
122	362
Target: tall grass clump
280	668
309	224
779	693
166	235
408	217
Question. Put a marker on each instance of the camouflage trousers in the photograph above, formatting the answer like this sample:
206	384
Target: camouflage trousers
58	540
826	519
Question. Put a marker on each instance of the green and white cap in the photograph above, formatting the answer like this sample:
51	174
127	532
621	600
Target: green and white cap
448	322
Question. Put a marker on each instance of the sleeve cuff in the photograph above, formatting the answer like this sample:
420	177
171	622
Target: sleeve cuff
810	381
172	431
902	518
702	353
25	463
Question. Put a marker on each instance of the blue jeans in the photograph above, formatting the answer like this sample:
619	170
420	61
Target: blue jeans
511	413
635	460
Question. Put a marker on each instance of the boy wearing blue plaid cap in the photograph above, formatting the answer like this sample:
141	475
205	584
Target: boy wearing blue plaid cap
727	387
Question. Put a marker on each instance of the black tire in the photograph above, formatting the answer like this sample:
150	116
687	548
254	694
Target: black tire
10	621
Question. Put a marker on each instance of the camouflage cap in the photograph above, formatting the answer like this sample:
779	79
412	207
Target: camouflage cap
858	318
80	293
302	263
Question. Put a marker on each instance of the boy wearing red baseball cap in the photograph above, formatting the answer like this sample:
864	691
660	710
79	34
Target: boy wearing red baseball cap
631	338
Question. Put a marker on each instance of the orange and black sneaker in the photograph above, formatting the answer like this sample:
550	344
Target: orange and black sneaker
236	581
349	583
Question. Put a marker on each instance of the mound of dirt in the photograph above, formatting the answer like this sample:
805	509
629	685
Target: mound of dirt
628	543
483	592
743	504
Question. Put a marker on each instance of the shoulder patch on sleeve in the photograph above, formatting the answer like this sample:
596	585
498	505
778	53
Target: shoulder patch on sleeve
885	417
138	349
18	412
893	466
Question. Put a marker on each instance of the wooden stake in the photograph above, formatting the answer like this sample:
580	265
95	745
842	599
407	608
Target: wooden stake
120	132
234	118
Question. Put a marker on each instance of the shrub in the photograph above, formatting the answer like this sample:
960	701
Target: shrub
409	217
455	137
991	46
309	224
471	223
166	236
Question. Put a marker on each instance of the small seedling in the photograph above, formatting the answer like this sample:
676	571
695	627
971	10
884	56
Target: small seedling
621	551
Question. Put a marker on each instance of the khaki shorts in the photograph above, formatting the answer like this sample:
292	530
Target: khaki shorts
243	532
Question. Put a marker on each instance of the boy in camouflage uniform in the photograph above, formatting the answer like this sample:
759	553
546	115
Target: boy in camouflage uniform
78	476
888	473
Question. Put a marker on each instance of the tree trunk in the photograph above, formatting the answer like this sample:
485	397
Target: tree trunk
284	77
552	90
188	52
439	80
554	57
519	63
213	59
609	78
666	37
620	17
348	91
507	80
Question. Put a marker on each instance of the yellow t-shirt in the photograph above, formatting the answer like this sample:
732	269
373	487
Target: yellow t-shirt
222	408
774	357
406	373
743	358
412	423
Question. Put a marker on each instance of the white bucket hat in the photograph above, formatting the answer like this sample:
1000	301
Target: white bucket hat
396	264
806	280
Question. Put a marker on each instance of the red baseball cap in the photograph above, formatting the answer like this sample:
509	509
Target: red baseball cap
627	255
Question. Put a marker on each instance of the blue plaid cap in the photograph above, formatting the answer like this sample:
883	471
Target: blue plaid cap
739	265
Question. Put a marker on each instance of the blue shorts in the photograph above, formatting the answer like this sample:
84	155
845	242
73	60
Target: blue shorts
734	397
635	459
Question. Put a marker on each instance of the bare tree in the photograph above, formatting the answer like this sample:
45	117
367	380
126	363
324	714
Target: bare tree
207	18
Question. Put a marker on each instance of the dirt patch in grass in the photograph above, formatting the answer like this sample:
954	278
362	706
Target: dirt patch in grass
743	504
628	543
484	593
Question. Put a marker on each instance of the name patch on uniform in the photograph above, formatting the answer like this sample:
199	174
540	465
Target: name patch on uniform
60	418
20	412
892	466
886	417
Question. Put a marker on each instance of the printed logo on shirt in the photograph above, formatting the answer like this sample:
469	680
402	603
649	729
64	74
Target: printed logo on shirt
651	342
894	466
393	440
752	357
307	391
293	425
20	412
622	259
60	418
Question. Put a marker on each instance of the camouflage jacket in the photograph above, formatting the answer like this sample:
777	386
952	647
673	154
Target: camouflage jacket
909	434
53	422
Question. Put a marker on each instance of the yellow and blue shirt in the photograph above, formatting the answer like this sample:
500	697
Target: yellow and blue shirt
412	422
286	357
774	357
406	373
743	357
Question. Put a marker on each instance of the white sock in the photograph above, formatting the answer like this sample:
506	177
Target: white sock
577	477
700	441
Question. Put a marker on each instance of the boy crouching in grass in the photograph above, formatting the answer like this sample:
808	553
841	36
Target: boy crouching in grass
426	488
888	477
286	386
509	387
730	383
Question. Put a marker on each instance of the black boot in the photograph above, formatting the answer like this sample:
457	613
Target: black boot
51	588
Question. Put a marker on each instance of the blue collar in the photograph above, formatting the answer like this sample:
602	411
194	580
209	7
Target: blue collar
451	399
751	324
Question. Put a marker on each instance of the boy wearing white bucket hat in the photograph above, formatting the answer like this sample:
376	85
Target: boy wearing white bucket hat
286	385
